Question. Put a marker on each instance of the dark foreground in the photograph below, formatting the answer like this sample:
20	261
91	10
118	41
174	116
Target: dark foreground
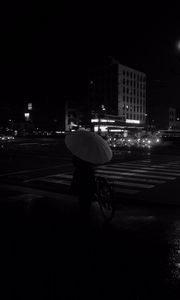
48	253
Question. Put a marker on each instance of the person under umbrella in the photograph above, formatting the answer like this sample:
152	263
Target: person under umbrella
89	150
83	183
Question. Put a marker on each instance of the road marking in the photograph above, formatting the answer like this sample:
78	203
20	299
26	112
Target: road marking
152	170
70	176
131	178
131	184
65	182
49	176
34	170
163	169
136	174
131	164
65	176
133	175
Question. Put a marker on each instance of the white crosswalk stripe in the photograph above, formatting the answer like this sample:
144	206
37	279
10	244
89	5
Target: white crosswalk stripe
127	177
151	170
125	173
164	167
146	180
58	181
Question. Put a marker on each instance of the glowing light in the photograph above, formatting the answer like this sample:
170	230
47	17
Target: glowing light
102	128
108	121
29	106
94	120
27	116
133	121
102	120
115	130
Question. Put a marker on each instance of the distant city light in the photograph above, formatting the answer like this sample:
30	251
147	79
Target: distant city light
102	128
102	120
94	120
29	106
133	121
116	130
27	115
109	121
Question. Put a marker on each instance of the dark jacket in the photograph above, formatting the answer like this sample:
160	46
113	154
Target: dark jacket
83	183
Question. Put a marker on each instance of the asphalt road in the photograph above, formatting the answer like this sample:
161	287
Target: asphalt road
47	252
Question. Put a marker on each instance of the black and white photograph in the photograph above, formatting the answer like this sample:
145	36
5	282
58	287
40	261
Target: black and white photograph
90	150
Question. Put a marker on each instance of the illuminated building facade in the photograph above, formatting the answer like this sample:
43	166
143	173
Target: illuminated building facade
121	90
131	95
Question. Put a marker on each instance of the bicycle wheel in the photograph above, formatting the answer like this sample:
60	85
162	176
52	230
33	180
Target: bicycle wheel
105	198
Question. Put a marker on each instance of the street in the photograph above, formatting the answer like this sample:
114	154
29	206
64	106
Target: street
46	251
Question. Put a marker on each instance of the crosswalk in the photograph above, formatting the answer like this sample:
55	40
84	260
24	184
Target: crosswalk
128	178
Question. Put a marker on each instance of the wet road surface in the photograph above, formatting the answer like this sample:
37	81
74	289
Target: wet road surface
47	253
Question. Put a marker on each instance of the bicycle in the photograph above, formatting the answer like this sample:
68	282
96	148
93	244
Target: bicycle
105	198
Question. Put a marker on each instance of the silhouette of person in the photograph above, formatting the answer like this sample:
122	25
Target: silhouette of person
83	184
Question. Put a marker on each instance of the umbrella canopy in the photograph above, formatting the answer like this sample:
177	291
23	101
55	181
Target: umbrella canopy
88	146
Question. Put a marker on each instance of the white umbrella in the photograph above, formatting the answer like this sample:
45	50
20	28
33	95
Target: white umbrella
88	146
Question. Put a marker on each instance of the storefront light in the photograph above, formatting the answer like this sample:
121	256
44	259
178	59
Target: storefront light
102	128
132	121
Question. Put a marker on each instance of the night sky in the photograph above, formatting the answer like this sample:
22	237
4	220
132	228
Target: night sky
46	50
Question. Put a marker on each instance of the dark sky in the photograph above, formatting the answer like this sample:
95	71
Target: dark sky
46	50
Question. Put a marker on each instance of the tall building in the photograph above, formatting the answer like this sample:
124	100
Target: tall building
131	95
121	90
